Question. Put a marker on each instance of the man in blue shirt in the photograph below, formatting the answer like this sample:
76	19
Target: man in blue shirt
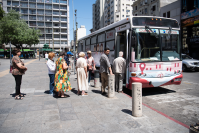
67	57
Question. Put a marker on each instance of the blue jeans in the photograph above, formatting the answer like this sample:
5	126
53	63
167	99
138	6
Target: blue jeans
89	75
51	85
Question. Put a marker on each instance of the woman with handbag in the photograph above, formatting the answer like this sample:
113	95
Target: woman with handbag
62	83
17	71
90	65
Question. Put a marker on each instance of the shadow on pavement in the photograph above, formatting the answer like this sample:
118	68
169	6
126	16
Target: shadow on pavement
13	95
127	111
96	91
150	91
74	91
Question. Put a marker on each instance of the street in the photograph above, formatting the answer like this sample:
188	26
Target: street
181	102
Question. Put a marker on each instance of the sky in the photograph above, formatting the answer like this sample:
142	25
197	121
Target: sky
84	15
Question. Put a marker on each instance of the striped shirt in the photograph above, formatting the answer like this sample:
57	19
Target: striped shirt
104	63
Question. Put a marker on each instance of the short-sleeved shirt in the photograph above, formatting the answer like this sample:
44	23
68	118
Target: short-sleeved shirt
104	63
90	61
16	70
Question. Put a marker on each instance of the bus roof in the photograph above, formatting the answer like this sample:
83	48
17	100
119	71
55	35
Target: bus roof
123	21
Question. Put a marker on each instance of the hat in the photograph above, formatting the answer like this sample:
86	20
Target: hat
81	54
69	53
89	52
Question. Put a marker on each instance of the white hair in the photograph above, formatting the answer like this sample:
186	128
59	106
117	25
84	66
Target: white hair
121	54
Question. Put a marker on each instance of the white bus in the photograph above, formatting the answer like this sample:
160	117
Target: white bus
151	47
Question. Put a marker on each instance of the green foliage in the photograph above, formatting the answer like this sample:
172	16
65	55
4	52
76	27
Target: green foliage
15	30
1	13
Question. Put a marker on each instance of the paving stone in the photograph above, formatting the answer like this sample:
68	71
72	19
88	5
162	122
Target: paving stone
66	117
5	110
67	111
64	105
71	124
54	131
10	129
94	129
51	112
33	128
34	113
13	122
3	117
32	120
50	102
16	115
50	106
131	124
51	118
17	109
51	125
82	109
75	130
35	107
36	103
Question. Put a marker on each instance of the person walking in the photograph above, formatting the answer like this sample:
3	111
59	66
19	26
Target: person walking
62	83
46	57
17	72
81	68
90	65
51	71
105	67
119	68
67	58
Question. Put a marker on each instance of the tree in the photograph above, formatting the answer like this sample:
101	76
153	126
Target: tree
1	13
15	30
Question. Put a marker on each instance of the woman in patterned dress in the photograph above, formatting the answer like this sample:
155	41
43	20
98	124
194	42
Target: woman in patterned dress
62	83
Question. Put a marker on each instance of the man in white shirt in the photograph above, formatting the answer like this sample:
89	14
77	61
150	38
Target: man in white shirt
119	68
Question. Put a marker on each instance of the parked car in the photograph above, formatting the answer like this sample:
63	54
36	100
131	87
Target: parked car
189	63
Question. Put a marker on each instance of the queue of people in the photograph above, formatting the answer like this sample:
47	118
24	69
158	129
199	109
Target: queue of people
59	76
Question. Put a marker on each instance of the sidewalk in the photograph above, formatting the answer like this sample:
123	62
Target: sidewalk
39	112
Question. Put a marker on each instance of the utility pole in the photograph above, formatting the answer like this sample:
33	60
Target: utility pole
53	40
73	37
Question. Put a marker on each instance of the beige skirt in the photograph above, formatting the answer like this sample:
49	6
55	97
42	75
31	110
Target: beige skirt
82	80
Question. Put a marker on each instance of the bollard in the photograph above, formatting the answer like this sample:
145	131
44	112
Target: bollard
137	99
96	78
111	86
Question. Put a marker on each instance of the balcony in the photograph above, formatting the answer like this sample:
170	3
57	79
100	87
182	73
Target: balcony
48	1
63	2
24	0
32	0
40	1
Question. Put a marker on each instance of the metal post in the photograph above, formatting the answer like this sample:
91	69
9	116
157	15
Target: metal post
111	85
53	40
10	54
39	51
137	99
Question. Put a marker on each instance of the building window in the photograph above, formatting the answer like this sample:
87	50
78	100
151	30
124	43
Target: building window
135	14
135	7
168	14
153	8
122	15
164	14
117	16
145	10
122	9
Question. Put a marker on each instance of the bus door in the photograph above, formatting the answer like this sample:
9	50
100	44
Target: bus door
121	45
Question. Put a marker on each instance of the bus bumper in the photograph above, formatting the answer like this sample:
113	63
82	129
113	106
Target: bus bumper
150	82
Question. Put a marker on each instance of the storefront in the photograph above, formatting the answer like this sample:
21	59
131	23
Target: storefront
190	33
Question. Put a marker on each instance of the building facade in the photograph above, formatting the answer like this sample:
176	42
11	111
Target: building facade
149	7
115	10
51	17
190	27
172	10
81	32
98	14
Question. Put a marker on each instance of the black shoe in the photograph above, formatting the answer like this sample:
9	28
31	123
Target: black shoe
103	93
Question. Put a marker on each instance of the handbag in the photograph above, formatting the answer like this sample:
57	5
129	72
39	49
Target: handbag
68	73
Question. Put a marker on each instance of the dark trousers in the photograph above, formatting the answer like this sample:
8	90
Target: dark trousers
51	85
18	81
89	75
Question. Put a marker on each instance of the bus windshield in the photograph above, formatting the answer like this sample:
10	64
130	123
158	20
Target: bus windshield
147	47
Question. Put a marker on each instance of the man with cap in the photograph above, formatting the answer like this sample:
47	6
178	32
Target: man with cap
67	57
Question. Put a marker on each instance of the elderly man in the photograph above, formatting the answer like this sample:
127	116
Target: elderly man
119	68
105	67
